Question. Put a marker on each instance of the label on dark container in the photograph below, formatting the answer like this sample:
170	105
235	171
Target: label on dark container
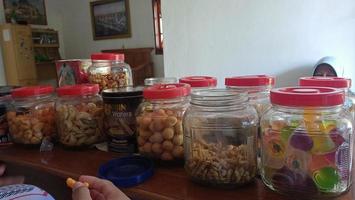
120	125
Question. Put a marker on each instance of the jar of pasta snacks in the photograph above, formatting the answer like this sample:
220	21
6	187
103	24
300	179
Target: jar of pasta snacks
257	86
120	106
307	142
31	115
334	82
159	121
220	133
152	81
79	114
109	71
199	82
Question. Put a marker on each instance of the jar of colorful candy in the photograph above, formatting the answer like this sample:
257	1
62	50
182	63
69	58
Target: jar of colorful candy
220	131
307	142
159	121
109	71
335	82
199	82
257	86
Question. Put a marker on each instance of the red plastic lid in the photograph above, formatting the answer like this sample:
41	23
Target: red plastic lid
307	96
167	91
77	90
30	91
252	80
335	82
107	56
199	81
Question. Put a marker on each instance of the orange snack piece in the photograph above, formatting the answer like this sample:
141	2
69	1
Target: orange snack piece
71	182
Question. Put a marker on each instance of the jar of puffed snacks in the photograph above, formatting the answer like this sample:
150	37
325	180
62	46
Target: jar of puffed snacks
31	115
79	114
109	71
334	82
307	142
220	133
159	121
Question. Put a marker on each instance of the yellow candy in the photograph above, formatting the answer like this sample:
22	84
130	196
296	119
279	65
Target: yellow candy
71	182
322	144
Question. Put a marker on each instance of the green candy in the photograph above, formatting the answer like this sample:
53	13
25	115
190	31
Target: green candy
326	178
287	131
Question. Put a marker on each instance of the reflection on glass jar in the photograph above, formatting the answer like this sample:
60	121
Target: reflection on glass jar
220	132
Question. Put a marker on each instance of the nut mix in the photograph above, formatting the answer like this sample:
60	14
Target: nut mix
109	81
220	164
80	124
32	126
160	134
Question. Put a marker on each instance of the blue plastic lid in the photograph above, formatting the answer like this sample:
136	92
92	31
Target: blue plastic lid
127	171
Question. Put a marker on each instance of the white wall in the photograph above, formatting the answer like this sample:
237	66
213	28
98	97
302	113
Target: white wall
78	37
54	20
239	37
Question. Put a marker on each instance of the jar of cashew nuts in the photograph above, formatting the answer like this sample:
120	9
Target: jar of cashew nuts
159	121
109	71
31	116
220	134
79	114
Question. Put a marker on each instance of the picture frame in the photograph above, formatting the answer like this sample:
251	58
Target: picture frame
25	11
110	19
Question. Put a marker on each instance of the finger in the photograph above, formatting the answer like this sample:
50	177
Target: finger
2	169
96	195
80	192
105	187
11	180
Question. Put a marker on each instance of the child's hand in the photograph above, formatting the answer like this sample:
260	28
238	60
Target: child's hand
99	189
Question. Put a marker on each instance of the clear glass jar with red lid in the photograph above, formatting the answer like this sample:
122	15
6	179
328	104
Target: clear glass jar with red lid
159	121
199	82
159	80
31	115
334	82
79	115
109	71
307	142
257	86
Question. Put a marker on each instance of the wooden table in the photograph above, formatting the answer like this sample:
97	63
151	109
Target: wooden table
167	183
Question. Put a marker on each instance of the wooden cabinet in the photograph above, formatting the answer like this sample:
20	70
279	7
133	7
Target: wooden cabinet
29	54
17	50
140	60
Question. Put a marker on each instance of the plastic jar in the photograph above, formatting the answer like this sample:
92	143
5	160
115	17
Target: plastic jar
120	106
109	71
220	133
307	142
257	86
199	82
159	120
334	82
5	100
31	115
79	113
161	80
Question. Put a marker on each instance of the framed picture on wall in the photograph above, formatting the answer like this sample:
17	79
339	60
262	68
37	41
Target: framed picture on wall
25	11
110	19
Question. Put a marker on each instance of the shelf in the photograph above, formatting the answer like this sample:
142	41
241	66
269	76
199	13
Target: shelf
46	45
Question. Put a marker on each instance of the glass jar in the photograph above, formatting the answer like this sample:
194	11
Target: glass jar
334	82
257	86
220	133
307	142
120	106
165	80
79	115
199	82
31	115
159	121
109	71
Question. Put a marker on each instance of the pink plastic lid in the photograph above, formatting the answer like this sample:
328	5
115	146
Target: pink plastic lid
335	82
199	81
167	91
107	56
30	91
78	90
307	96
252	80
